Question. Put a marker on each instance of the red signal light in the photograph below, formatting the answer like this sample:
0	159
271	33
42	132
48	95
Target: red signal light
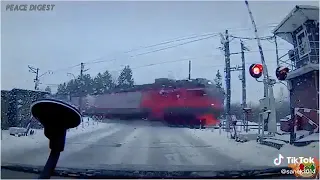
256	70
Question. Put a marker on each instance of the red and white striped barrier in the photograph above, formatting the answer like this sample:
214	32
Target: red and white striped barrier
299	112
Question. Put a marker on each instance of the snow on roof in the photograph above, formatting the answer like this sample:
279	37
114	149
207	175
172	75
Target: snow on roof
297	16
303	70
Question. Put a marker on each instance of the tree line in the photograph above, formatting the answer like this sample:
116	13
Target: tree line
100	84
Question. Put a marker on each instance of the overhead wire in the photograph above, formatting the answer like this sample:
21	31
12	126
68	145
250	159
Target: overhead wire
187	59
169	47
172	41
186	38
253	38
162	43
166	62
150	46
63	69
161	49
167	42
258	51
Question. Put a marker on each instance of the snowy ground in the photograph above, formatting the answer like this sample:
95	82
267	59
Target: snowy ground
15	144
147	145
251	152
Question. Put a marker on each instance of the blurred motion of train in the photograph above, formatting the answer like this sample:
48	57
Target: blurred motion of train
188	103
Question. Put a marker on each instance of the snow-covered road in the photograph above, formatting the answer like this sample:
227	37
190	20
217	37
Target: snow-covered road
141	145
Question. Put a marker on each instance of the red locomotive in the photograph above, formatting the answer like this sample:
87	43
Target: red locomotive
191	103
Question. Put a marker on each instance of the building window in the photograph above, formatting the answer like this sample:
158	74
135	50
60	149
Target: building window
303	43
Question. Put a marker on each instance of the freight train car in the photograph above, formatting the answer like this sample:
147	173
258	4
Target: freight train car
192	103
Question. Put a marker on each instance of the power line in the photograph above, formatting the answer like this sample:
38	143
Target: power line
218	65
157	50
195	36
212	34
164	62
192	58
150	46
221	65
263	50
186	38
186	59
270	25
179	60
171	41
253	38
64	69
175	45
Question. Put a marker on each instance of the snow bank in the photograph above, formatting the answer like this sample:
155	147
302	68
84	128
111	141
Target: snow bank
11	143
252	152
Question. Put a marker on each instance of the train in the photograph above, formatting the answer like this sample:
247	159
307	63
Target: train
186	103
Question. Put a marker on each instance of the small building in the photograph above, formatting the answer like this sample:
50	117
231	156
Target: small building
301	29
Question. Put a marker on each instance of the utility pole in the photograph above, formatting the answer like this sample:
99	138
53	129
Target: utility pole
228	79
36	80
80	87
82	70
277	52
189	77
81	90
243	77
243	80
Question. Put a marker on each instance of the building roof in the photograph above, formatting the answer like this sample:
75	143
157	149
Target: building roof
297	16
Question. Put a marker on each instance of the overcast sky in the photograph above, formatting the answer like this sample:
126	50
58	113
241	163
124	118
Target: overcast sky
75	32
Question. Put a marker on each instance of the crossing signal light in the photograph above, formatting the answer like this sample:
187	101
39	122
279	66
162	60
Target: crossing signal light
281	73
256	70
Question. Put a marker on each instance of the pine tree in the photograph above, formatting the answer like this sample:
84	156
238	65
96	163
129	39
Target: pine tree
125	80
48	89
218	80
62	89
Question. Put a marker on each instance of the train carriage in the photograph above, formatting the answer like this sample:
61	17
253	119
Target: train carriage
191	103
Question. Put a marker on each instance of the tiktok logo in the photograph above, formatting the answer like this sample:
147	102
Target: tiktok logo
277	161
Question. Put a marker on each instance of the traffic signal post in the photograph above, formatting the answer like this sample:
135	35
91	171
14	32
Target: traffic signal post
267	103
